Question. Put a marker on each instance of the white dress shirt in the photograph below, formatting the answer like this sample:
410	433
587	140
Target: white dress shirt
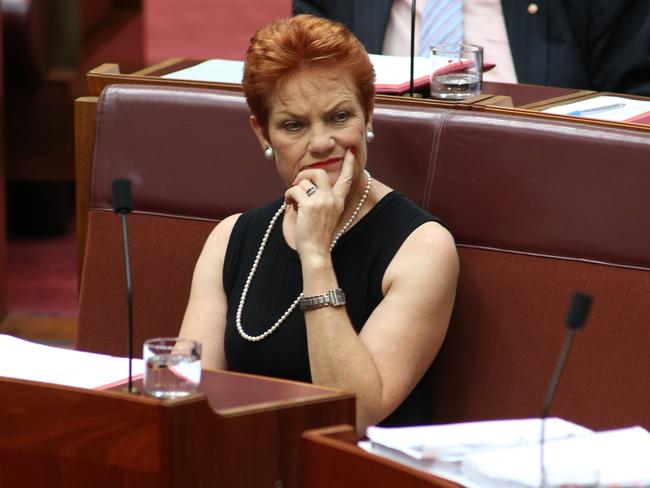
484	25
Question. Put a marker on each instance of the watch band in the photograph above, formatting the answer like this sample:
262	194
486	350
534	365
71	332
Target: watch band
331	298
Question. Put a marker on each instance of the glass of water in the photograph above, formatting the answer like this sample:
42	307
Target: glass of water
457	71
172	367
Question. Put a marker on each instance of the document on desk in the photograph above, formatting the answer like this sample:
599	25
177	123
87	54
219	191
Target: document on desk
453	442
614	458
214	70
393	73
441	449
506	453
611	108
20	359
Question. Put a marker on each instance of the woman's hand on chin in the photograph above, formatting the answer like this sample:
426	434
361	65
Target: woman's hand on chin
318	211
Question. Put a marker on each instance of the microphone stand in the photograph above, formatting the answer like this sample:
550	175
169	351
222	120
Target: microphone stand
413	11
411	92
576	317
123	204
550	394
129	301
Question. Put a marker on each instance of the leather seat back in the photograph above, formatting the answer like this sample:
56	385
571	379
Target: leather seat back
539	208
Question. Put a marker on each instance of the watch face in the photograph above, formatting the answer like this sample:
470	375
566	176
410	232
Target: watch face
338	297
331	298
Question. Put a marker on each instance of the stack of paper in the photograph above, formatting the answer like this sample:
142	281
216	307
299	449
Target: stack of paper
25	360
506	453
614	458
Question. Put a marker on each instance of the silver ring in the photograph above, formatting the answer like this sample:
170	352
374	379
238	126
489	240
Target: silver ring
310	190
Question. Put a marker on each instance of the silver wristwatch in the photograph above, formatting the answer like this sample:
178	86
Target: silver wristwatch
332	298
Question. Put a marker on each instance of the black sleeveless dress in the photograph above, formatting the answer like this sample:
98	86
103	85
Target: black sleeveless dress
360	259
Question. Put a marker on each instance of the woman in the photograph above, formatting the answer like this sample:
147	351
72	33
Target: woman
342	281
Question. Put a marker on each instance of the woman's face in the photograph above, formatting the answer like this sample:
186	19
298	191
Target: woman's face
314	118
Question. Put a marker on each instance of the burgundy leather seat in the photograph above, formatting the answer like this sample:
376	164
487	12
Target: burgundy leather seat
539	208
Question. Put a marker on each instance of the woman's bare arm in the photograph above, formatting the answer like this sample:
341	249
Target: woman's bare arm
205	316
403	334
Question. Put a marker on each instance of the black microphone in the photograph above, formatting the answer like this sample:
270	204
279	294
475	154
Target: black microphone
122	198
575	320
123	204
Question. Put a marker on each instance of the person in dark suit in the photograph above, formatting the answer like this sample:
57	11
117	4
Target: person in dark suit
601	45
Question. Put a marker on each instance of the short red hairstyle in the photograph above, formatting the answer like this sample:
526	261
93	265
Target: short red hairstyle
286	46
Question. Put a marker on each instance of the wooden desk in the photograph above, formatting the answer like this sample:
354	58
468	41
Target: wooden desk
516	98
523	95
243	431
100	77
110	73
544	104
332	458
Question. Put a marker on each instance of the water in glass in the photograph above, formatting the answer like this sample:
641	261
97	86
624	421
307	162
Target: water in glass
172	367
172	375
455	86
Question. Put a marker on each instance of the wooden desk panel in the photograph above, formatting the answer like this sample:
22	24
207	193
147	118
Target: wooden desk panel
543	105
332	458
69	437
524	95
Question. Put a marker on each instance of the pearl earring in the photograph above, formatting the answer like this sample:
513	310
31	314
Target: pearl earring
370	135
269	153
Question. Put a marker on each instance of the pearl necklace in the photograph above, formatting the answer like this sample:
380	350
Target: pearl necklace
295	303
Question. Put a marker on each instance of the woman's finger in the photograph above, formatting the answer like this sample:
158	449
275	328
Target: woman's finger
297	194
317	176
308	186
344	181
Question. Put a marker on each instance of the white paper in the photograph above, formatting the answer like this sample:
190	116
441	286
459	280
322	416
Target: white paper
613	458
476	454
215	70
631	108
452	442
20	359
443	469
394	70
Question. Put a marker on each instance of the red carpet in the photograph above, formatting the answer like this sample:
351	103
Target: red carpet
42	276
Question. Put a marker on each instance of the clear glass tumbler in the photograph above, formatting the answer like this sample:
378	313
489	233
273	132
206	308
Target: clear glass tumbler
457	71
172	367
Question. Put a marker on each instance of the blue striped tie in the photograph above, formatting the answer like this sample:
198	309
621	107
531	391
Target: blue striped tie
442	21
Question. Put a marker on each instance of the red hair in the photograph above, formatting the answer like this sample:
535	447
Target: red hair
286	46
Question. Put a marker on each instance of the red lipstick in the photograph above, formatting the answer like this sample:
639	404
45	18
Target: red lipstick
325	163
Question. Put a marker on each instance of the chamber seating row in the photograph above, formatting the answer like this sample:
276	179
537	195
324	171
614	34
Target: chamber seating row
539	207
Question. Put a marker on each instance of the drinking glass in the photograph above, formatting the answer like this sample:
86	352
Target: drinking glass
457	71
172	367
